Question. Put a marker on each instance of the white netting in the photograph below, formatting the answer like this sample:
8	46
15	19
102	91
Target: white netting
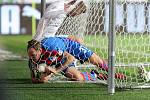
132	42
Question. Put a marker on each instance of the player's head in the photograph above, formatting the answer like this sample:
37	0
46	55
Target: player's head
34	50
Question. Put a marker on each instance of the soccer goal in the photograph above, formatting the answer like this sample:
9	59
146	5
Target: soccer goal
130	54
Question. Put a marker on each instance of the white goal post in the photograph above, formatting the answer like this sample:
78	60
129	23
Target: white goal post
118	31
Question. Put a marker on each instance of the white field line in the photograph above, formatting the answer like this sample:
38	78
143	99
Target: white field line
6	55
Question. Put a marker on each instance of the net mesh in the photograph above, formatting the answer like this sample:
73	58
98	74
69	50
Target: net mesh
131	42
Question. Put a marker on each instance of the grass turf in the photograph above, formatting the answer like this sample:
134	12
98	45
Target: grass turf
16	85
15	81
15	43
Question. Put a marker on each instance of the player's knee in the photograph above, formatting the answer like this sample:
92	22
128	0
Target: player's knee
74	74
95	59
79	78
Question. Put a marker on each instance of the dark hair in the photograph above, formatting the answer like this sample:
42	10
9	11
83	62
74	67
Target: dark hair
34	44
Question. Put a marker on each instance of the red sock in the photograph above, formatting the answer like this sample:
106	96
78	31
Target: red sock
102	76
104	66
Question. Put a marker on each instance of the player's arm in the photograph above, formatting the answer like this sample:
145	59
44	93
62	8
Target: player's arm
34	74
42	77
40	73
46	72
35	78
68	60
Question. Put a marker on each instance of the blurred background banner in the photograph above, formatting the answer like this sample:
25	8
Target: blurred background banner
20	1
19	16
22	16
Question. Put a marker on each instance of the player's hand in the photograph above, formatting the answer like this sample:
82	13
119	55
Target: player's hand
78	9
50	70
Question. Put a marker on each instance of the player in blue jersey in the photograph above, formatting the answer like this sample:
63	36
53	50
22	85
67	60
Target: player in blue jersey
61	45
60	51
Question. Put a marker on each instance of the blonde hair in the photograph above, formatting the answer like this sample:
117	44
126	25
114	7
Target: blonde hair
34	44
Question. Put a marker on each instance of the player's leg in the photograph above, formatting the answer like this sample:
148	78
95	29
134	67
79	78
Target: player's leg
69	71
76	75
45	77
83	54
102	64
96	60
73	74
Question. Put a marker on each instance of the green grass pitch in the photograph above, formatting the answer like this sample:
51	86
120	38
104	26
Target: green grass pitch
15	81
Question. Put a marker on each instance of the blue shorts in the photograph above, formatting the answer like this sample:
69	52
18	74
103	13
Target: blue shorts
79	51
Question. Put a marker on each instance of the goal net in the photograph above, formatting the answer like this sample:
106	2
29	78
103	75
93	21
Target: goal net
132	39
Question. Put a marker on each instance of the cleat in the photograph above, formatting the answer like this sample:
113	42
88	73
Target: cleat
98	75
102	76
143	73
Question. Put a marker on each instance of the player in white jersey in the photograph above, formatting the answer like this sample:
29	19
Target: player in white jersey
51	20
54	16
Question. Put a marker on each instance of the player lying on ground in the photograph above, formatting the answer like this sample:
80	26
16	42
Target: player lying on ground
69	72
54	16
60	51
